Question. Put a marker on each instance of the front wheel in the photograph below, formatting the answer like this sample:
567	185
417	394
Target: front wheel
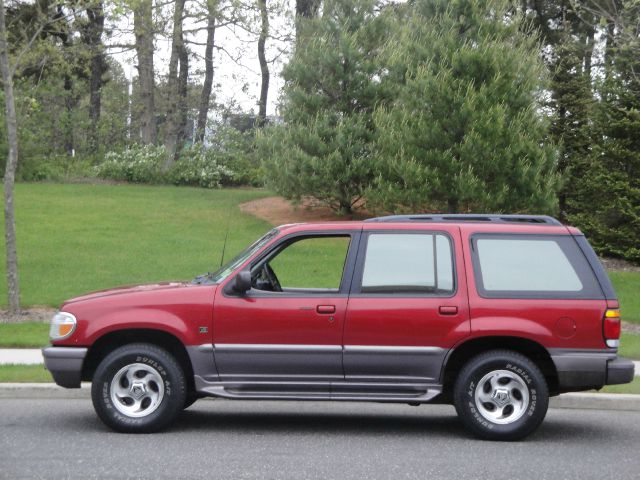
501	395
138	388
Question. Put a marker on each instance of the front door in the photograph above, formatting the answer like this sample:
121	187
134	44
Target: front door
408	305
288	327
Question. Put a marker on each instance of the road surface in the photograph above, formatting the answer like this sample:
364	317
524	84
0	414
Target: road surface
311	440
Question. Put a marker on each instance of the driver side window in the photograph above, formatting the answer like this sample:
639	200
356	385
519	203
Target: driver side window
308	264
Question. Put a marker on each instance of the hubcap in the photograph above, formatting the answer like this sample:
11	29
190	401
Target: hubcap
137	390
501	397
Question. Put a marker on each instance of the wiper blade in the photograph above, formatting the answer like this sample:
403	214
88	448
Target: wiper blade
200	279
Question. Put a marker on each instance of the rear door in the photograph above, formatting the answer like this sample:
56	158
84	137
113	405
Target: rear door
408	304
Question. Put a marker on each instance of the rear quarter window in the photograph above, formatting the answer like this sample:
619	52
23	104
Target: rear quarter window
532	266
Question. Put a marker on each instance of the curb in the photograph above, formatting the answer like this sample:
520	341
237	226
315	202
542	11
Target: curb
586	401
597	401
43	391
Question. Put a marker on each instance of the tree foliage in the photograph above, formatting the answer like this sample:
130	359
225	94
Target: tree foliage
464	131
606	199
325	147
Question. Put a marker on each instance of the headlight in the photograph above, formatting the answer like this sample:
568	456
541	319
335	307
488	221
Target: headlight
63	324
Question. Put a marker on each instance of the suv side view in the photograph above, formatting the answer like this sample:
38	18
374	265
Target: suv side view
491	313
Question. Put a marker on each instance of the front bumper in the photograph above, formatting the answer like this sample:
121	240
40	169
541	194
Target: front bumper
591	369
65	364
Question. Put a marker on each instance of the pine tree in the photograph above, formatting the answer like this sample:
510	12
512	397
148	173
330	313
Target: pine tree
606	202
464	130
324	149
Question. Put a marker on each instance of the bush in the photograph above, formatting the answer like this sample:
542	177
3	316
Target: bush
198	167
236	150
55	168
136	164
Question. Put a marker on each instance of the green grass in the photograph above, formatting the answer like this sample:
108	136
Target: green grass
627	286
312	263
24	374
24	335
630	345
74	238
633	387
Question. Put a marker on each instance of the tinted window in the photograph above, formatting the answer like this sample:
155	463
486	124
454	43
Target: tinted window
531	266
407	263
506	264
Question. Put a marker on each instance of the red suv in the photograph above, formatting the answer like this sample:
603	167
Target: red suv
493	313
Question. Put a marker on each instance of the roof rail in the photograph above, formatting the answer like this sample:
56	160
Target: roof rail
477	218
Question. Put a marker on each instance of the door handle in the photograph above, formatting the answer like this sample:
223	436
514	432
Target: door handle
327	309
448	310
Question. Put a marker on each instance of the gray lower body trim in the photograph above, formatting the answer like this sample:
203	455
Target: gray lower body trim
203	362
392	363
589	369
255	362
65	364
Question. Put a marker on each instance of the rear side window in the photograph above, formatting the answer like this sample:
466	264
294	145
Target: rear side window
532	266
412	263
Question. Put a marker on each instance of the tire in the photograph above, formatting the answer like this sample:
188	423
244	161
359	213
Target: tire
501	395
138	388
190	399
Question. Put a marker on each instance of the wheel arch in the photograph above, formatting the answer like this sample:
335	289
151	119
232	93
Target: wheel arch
115	339
458	356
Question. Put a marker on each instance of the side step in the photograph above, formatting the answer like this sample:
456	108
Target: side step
381	392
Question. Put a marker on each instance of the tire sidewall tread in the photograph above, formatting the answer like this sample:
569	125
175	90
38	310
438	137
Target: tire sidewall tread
168	368
517	363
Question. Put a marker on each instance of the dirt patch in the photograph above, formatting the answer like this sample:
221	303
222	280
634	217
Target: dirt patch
35	314
619	265
279	211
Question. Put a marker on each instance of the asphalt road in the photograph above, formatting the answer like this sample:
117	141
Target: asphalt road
308	440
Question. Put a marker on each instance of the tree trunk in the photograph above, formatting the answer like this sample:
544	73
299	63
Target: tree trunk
13	285
69	105
205	97
143	29
183	107
264	69
94	39
588	54
173	88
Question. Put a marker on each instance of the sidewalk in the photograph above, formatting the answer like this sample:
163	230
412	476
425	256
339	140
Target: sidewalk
32	356
23	356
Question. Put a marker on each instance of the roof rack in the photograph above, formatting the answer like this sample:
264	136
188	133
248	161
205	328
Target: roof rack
472	218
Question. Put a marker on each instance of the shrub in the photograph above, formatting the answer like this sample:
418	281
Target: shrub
136	164
236	150
55	167
198	167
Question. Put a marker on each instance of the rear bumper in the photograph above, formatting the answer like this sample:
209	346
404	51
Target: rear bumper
620	370
65	364
590	369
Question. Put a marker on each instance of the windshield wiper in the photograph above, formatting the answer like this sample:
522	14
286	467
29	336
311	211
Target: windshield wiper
200	279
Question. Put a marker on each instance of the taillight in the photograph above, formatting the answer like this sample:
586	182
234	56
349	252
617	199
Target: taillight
612	327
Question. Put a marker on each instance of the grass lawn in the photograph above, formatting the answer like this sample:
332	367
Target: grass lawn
627	286
74	239
633	387
630	345
24	335
24	374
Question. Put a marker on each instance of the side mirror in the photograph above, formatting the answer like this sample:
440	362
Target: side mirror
242	282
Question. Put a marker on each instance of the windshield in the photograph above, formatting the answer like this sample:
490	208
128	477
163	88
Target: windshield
226	270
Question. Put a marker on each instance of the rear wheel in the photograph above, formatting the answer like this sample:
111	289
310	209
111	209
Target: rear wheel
138	388
501	395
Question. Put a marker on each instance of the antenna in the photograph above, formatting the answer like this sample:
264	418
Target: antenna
226	235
